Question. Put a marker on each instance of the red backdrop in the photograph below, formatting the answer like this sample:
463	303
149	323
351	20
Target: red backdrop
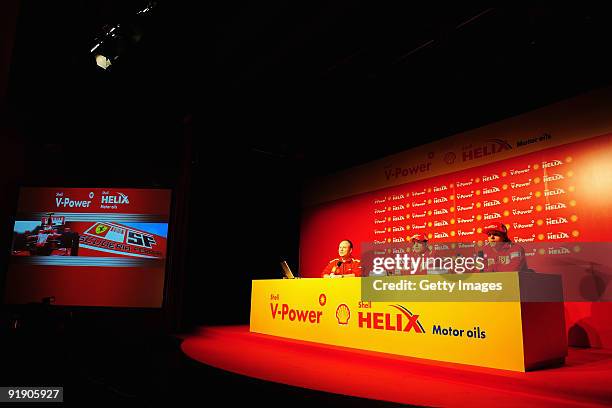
559	199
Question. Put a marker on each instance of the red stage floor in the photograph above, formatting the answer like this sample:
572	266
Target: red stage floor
584	381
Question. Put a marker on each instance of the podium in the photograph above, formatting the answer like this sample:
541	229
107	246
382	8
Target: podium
506	320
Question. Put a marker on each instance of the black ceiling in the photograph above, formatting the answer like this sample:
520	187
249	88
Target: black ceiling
403	75
321	85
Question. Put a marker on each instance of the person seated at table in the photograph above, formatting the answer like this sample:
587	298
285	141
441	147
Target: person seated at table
419	248
345	265
500	253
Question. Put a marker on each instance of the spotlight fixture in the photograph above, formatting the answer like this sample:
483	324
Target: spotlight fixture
115	40
107	46
102	61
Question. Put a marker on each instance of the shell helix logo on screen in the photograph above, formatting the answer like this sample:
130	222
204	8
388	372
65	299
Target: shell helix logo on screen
110	201
298	315
118	198
402	320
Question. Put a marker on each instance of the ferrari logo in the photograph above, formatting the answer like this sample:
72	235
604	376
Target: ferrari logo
100	229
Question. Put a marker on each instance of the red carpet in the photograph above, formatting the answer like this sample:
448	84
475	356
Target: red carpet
584	381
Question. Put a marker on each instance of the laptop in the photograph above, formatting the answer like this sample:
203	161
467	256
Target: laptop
286	270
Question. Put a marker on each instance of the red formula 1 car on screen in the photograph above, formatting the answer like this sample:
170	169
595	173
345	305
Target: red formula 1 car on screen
52	237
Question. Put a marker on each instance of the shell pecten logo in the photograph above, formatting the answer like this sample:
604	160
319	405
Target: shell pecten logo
343	314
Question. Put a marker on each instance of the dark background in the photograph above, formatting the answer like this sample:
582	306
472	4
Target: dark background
234	106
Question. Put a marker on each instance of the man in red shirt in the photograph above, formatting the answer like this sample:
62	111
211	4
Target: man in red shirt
419	248
501	254
345	266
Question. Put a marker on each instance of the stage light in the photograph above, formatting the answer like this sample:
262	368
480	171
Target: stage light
118	39
107	46
102	61
147	9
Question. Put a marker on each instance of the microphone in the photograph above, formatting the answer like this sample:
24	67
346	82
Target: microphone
335	268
